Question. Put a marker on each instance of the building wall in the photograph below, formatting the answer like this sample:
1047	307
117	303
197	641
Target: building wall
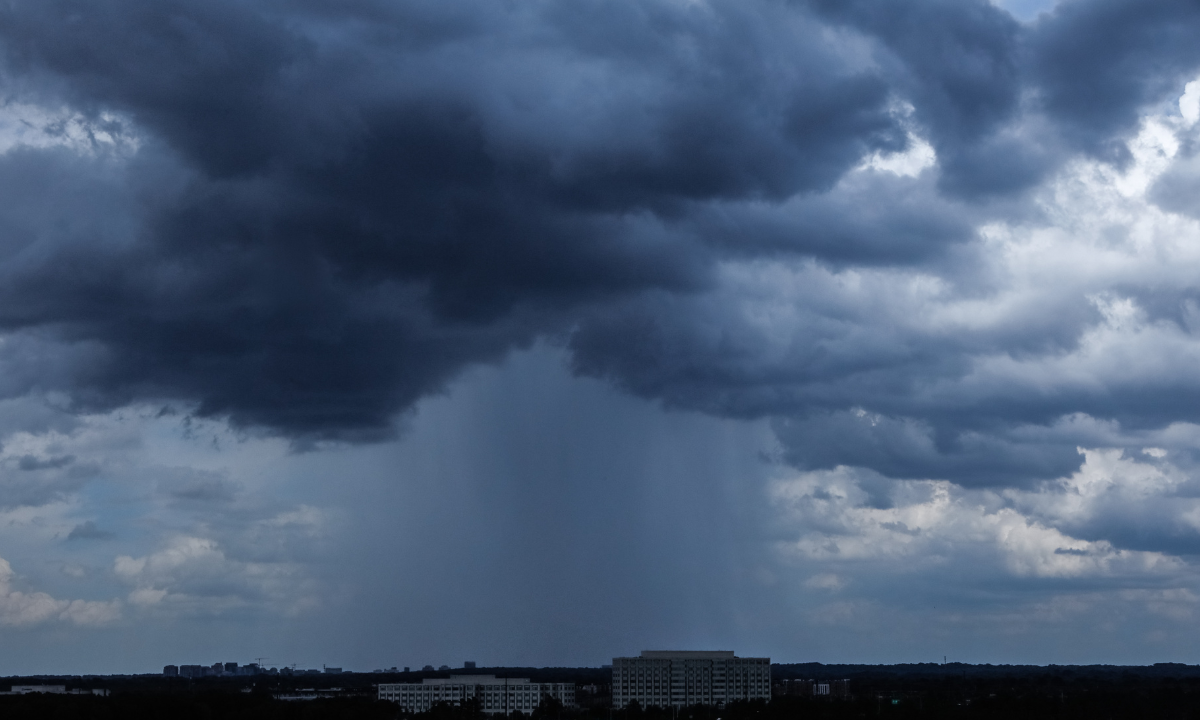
679	679
496	696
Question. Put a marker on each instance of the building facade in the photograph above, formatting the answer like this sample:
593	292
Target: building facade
496	696
660	678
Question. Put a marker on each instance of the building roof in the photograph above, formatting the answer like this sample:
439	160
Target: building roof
687	654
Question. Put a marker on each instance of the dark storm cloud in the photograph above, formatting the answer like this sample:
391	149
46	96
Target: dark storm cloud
312	216
1095	64
859	378
906	447
1005	104
960	65
332	212
868	220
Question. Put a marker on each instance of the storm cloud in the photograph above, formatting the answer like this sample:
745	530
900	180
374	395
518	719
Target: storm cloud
328	214
934	262
306	218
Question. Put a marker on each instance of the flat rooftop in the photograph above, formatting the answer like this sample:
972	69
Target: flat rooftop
687	654
474	680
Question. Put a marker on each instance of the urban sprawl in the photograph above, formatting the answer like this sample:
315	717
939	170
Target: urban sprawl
655	678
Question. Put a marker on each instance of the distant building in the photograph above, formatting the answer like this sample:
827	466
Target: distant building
52	690
496	696
468	665
231	668
170	671
814	688
333	671
663	678
311	694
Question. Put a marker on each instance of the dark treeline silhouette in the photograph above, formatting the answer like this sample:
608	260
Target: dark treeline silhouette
1169	692
209	705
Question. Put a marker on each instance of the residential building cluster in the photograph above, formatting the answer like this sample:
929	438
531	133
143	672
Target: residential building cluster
656	678
496	696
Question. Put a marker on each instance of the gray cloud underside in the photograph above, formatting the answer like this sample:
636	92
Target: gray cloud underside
331	211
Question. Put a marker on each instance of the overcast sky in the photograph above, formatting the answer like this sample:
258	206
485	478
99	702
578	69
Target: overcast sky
394	332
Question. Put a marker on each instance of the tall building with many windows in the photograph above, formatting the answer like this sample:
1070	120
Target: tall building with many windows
664	678
496	696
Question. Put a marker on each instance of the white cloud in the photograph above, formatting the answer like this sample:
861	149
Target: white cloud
218	537
27	609
1004	561
937	523
34	126
83	612
919	156
1053	303
147	596
1189	103
824	581
194	575
1107	482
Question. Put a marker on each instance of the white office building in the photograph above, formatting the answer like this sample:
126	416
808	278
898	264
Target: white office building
662	678
496	696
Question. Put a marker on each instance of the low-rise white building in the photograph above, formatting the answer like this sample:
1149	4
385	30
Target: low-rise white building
668	678
52	690
496	696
